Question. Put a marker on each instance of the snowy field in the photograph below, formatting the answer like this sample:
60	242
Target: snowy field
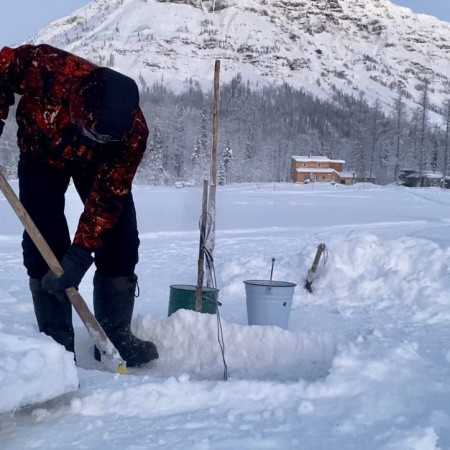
365	363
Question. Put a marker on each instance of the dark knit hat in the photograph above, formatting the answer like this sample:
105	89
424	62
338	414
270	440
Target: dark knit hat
105	103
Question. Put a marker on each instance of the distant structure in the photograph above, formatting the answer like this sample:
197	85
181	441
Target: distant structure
310	169
426	178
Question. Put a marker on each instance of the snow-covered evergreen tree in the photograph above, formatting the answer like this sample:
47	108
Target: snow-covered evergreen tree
447	137
399	118
423	155
374	137
434	156
200	157
250	143
179	142
221	179
225	166
152	170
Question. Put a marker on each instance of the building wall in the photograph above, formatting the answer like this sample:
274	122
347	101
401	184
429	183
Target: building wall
338	167
317	165
313	164
320	177
348	181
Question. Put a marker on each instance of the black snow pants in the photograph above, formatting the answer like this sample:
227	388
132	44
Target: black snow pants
42	189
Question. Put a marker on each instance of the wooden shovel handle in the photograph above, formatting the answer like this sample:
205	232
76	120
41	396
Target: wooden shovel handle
320	249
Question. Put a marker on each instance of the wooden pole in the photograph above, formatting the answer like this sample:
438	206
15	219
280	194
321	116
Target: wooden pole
211	241
201	249
110	355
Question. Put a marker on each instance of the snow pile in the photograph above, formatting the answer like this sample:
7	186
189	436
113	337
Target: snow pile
33	369
251	352
366	268
357	268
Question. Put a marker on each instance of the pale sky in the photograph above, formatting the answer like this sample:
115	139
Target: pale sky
21	19
438	8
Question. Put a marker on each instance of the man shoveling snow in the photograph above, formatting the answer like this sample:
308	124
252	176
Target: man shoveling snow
77	120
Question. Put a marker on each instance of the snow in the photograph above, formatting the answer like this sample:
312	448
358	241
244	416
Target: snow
316	158
316	170
33	370
364	364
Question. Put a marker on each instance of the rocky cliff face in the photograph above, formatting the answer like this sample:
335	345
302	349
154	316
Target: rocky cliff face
362	47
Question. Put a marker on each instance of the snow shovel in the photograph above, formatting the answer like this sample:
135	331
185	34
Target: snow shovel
311	272
109	354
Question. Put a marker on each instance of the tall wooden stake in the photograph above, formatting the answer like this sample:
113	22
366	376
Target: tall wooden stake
201	249
211	240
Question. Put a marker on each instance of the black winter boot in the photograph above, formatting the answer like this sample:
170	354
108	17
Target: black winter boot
113	306
53	316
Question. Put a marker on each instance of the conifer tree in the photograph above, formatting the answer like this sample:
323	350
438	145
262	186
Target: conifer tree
250	143
221	179
423	130
359	159
374	136
225	167
447	137
179	142
153	164
199	157
434	156
399	113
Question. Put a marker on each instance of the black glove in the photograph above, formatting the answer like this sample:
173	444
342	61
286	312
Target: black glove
2	124
75	264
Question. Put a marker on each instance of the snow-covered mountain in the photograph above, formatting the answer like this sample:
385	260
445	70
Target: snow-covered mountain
369	46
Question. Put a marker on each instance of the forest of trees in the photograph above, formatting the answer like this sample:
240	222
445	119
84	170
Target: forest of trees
260	129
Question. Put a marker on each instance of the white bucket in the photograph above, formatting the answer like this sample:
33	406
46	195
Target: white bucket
269	303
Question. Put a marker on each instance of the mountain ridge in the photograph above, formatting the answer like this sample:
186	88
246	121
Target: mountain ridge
372	47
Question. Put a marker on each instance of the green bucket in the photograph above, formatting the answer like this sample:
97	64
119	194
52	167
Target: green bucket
182	296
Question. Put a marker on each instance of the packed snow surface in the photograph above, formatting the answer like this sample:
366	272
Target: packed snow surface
364	364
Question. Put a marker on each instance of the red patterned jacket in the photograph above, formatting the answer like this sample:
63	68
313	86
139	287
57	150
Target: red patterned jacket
47	79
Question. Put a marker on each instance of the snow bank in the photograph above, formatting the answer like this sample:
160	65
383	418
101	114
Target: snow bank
188	344
405	273
33	369
357	268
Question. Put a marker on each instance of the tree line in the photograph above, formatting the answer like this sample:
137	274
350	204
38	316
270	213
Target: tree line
260	129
